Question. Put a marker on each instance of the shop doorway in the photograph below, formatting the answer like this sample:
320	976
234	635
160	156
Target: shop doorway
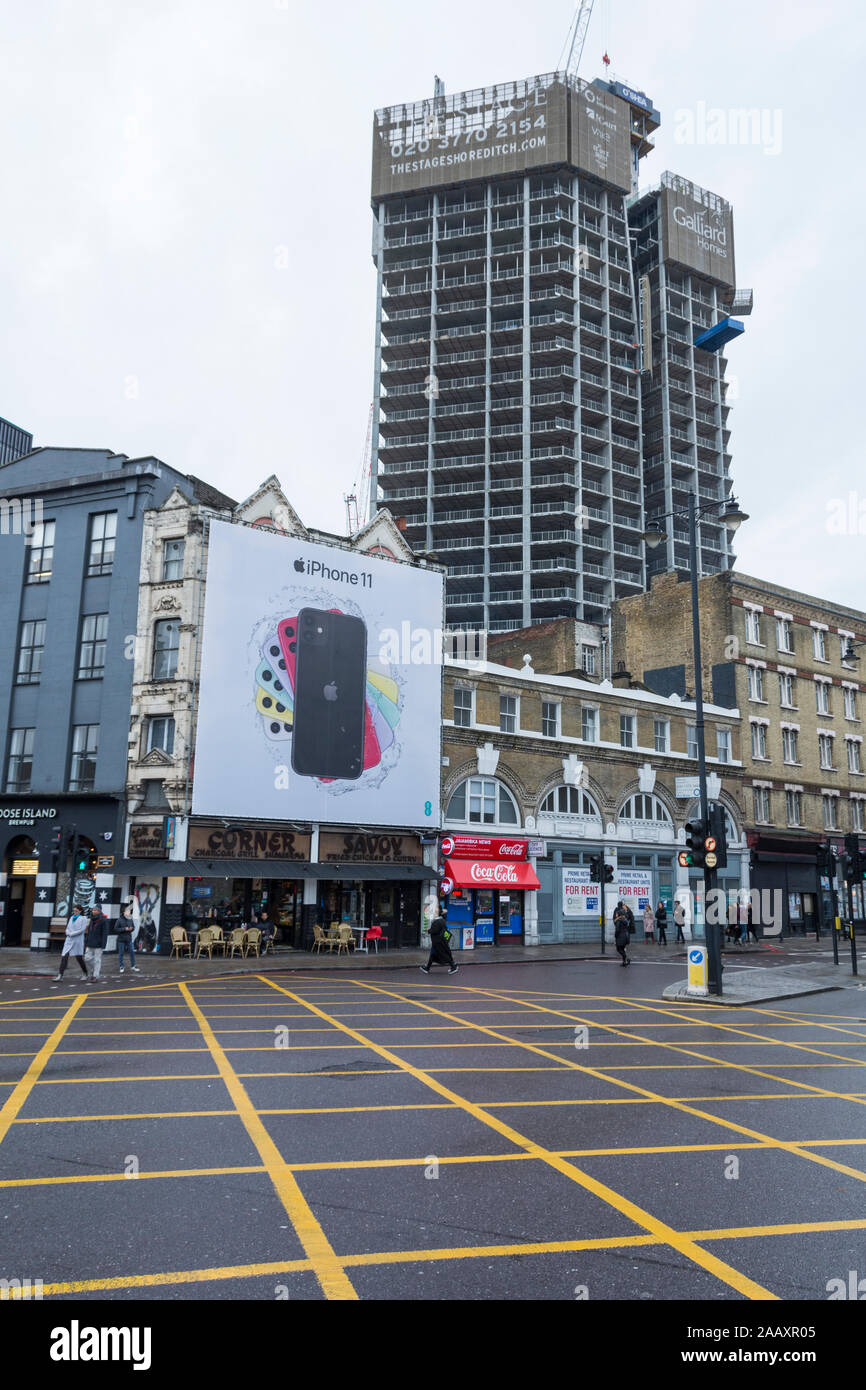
495	915
21	866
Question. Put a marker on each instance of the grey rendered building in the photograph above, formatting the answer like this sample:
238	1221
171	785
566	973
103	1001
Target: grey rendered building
71	548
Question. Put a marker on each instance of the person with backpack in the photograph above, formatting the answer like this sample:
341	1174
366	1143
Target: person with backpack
661	922
73	945
123	929
440	951
620	934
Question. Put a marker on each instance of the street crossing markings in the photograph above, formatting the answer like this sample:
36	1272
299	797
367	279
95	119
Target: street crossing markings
326	1265
15	1102
660	1230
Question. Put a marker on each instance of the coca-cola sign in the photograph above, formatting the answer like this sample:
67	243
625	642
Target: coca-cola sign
482	847
494	873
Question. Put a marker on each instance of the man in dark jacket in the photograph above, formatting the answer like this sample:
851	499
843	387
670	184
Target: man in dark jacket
661	922
440	952
123	929
94	941
620	936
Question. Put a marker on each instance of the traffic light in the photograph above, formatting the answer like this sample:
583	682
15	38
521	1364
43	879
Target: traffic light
718	832
608	873
595	869
58	836
693	856
854	865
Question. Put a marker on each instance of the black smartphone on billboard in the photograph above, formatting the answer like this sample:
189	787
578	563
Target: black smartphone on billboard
330	694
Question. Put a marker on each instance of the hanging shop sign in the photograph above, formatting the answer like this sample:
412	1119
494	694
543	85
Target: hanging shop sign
146	841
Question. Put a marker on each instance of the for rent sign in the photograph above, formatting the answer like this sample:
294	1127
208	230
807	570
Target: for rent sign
580	897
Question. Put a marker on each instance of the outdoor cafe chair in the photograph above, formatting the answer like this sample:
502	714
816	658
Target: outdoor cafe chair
320	939
180	943
204	942
237	941
253	940
345	939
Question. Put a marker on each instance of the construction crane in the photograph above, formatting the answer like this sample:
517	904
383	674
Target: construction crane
573	46
358	500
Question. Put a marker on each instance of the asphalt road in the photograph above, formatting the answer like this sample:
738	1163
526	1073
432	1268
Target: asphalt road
544	1131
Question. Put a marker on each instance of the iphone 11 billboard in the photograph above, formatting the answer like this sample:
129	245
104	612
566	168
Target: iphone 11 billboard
320	695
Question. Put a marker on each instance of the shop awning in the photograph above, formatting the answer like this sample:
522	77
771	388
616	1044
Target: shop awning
262	868
490	873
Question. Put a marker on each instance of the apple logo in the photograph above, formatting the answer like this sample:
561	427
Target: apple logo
299	565
330	691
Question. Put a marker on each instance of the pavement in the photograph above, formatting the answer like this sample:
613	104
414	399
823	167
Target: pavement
521	1131
158	968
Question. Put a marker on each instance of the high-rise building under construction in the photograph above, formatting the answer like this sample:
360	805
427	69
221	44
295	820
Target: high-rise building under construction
538	395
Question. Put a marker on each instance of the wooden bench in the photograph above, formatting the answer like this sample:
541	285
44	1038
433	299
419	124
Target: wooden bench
56	932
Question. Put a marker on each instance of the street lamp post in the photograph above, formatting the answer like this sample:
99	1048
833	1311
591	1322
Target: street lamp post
732	516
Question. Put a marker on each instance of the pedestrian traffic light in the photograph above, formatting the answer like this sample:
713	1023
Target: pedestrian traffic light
608	873
719	832
696	835
595	869
57	839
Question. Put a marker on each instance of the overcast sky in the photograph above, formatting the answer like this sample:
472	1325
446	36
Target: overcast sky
185	250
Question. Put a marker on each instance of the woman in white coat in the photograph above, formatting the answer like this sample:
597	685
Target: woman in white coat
74	943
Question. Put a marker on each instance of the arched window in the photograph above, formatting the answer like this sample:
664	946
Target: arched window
644	807
569	801
482	801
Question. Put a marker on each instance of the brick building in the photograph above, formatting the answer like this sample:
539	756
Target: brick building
577	767
777	655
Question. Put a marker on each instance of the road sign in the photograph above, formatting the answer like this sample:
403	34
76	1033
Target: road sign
445	886
697	983
686	788
710	860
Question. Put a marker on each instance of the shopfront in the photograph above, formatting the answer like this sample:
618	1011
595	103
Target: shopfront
569	903
787	870
377	881
484	885
232	871
54	853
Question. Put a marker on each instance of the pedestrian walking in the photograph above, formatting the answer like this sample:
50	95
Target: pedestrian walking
94	941
123	929
680	919
743	915
73	944
750	928
440	951
620	935
648	923
661	922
